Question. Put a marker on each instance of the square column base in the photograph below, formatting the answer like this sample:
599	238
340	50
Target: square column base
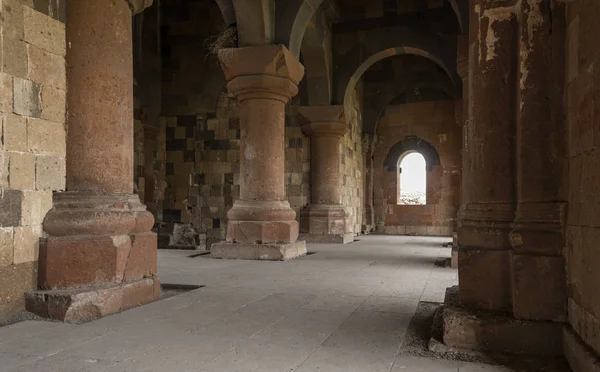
269	252
580	356
327	238
495	332
89	303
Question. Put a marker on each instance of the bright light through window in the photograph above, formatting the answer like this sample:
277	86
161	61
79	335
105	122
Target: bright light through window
413	180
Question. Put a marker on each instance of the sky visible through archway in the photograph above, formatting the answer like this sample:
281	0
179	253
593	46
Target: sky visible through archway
413	179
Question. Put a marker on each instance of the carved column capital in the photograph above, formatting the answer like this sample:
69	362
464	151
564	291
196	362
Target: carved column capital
261	72
324	121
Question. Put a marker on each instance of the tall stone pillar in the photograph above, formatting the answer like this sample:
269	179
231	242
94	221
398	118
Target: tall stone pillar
511	275
262	225
462	118
488	178
99	256
368	148
325	219
537	262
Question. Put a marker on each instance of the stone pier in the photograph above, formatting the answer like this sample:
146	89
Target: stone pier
511	269
262	225
325	219
99	256
368	148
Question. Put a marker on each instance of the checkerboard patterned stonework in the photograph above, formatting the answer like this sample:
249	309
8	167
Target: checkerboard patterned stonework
32	136
202	174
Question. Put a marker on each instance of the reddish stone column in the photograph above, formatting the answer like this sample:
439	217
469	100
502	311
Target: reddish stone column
368	148
325	220
488	179
262	224
538	265
512	147
99	256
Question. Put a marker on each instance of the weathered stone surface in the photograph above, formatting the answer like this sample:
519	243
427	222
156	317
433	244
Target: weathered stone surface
85	304
27	100
46	68
498	333
84	214
26	244
53	104
15	133
140	292
578	354
14	49
484	277
262	232
533	275
16	280
34	206
4	160
50	173
10	208
142	261
22	171
6	246
6	92
270	252
44	32
82	261
46	137
325	219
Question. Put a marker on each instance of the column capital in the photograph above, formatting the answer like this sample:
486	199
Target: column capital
137	6
324	120
265	71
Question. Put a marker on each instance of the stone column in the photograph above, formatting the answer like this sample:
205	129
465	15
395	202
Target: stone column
538	265
501	270
262	224
488	178
462	118
368	148
325	219
99	256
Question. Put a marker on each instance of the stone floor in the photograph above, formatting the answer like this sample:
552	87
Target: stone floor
345	308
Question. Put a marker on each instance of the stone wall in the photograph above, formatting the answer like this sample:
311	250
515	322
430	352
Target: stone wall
32	137
352	164
583	228
434	122
203	133
203	168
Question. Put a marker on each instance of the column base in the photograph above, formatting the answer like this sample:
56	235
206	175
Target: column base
70	262
581	357
269	252
367	229
85	304
496	332
454	258
327	239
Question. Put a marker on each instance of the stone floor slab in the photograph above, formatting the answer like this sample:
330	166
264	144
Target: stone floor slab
337	310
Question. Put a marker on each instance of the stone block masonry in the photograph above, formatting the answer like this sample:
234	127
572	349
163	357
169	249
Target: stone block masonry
203	174
32	137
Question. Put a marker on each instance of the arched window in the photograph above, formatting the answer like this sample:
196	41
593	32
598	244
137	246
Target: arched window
412	183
